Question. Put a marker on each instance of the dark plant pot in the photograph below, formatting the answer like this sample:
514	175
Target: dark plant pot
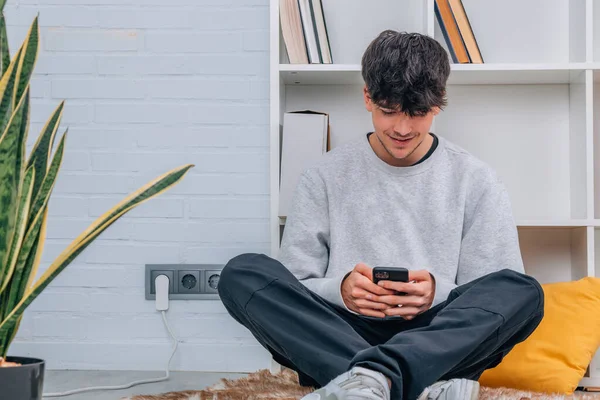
25	382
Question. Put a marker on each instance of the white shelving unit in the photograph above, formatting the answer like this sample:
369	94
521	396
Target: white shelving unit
529	112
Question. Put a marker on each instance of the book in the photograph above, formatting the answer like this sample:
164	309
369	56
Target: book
466	32
452	35
292	31
310	33
321	29
305	138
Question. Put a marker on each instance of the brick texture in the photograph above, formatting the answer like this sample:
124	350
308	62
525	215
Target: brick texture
149	85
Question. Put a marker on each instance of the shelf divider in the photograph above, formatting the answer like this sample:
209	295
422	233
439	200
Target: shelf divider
343	74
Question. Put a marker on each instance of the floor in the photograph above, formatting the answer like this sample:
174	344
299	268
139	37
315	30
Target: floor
61	381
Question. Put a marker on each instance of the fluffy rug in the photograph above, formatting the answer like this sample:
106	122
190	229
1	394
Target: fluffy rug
262	385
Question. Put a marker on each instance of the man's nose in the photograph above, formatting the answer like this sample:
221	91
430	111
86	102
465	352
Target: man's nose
402	125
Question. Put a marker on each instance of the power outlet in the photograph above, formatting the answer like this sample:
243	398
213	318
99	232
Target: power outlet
189	281
186	281
156	273
211	281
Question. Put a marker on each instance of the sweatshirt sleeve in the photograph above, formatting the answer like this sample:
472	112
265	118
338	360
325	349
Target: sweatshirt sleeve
490	240
306	241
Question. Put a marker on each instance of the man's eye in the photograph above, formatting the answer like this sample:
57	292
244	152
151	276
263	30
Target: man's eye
387	112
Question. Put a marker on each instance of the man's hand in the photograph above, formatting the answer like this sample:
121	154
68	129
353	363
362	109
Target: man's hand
420	291
359	292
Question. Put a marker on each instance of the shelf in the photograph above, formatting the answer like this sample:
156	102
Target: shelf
554	255
573	223
461	74
551	31
596	139
353	24
474	74
525	224
531	112
539	129
595	366
595	121
320	74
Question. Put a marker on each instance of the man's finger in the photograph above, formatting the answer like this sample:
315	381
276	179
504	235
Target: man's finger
403	311
405	301
420	275
359	293
365	270
362	303
371	313
415	289
369	286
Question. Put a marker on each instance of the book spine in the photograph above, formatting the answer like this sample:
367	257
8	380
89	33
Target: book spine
292	31
438	15
313	20
309	33
477	50
320	3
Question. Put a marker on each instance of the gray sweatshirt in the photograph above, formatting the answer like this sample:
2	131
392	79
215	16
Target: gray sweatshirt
449	214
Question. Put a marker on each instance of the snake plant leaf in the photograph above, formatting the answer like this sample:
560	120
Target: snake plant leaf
4	50
28	271
21	225
27	60
152	189
42	150
143	194
48	182
7	89
2	3
24	267
33	262
12	334
12	155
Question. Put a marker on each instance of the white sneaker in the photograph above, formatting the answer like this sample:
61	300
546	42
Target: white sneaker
357	384
454	389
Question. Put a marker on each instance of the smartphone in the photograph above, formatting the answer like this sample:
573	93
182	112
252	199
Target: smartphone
397	274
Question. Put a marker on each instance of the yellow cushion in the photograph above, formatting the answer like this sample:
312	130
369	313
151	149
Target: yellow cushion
555	356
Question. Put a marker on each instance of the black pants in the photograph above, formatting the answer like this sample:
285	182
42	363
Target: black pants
471	331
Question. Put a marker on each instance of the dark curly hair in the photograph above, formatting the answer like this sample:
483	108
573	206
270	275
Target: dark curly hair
406	72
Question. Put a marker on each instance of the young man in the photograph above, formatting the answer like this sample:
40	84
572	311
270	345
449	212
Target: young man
399	196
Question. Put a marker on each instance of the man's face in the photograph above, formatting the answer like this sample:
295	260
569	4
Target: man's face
400	140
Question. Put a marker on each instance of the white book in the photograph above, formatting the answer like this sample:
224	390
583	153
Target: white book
292	31
321	28
304	140
310	33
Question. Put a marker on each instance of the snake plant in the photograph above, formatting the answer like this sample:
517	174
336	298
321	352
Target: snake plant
26	184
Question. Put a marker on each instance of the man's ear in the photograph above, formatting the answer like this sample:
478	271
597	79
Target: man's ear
367	97
435	110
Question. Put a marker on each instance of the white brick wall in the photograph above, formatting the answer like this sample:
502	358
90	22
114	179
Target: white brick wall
149	85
